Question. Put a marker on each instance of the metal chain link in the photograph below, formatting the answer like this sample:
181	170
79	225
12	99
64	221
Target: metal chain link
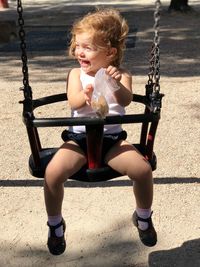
154	74
27	89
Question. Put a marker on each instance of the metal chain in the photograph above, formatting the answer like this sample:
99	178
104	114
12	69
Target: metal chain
27	89
154	74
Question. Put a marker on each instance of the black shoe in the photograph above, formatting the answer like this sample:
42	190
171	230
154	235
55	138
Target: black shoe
148	236
56	245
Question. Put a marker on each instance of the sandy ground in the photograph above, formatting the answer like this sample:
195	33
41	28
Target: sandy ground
98	216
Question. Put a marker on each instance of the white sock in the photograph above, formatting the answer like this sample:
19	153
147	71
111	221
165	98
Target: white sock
144	214
54	220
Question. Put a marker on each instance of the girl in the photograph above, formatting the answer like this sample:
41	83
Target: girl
98	40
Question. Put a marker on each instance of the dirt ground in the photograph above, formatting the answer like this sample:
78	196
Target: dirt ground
99	228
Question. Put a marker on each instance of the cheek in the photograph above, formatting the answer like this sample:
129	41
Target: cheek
91	56
100	57
76	53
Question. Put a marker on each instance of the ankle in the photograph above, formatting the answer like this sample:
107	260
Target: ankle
53	221
143	214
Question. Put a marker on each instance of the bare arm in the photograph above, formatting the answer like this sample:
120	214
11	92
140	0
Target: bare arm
77	97
124	81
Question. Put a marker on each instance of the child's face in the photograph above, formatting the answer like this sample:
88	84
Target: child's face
90	57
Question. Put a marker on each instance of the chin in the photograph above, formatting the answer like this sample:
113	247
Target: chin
89	71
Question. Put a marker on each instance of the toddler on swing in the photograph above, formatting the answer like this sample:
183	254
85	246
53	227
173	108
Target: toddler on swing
98	41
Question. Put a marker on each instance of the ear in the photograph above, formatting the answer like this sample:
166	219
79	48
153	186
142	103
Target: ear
112	52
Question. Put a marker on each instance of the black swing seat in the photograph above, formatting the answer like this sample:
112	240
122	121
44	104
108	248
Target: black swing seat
40	157
84	174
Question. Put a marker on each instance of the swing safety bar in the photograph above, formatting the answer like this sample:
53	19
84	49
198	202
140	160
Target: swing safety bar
93	171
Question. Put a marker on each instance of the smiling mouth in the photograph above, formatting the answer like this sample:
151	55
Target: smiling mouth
84	63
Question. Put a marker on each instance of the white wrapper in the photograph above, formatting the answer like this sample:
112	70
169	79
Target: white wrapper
104	87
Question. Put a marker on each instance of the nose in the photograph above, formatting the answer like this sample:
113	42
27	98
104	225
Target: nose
81	52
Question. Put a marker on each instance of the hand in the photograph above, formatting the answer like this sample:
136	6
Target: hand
114	73
88	94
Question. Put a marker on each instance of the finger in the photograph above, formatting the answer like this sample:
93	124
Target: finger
110	70
116	75
89	85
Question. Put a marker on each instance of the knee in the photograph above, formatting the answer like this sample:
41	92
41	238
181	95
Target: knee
142	172
53	176
147	171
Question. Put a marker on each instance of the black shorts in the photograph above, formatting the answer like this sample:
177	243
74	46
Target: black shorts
109	140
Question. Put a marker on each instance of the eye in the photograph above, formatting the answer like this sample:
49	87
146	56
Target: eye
88	48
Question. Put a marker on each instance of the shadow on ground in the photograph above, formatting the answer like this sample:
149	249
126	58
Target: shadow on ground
47	35
187	255
111	183
108	249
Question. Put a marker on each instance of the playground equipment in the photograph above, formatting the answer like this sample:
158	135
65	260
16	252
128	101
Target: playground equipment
93	171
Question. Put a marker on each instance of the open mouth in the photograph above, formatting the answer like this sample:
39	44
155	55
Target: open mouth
84	63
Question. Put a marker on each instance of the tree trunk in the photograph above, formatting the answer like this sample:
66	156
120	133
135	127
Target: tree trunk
179	5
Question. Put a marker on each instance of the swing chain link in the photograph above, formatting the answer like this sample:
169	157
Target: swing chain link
154	74
27	102
153	85
156	47
27	89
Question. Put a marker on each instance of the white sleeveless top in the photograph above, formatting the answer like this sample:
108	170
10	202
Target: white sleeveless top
87	111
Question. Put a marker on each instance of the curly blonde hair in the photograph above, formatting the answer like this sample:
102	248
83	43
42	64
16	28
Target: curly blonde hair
108	29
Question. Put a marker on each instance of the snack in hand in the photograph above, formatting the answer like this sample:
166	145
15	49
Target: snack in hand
104	87
100	105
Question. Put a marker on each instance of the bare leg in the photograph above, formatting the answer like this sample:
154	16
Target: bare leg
124	158
67	161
